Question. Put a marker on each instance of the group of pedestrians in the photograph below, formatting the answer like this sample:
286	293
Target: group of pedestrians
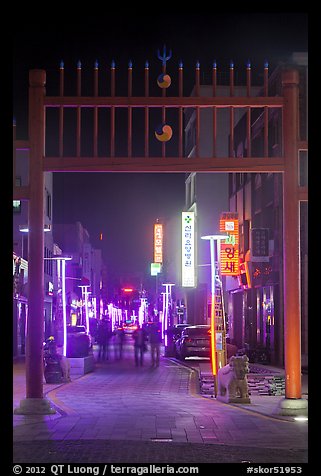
103	337
152	334
142	335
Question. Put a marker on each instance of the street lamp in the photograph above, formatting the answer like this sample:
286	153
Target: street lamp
25	229
214	239
168	288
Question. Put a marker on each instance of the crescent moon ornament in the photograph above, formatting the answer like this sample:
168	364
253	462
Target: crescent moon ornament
163	133
164	80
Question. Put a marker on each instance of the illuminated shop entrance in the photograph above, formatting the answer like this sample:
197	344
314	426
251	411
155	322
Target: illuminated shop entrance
109	106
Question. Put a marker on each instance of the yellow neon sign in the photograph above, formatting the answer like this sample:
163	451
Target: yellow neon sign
158	243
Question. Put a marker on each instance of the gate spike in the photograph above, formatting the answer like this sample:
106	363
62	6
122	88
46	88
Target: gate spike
165	57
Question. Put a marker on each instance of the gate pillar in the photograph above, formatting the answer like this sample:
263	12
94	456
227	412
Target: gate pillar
34	402
293	404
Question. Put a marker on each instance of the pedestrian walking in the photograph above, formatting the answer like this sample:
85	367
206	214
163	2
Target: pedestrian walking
155	340
118	340
140	347
103	336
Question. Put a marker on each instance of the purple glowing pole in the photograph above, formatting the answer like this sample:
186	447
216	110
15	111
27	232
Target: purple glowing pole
61	274
84	292
168	288
214	239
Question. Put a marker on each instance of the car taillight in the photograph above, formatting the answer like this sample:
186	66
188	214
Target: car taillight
188	340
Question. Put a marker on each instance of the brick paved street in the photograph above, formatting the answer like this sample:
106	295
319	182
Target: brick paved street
121	413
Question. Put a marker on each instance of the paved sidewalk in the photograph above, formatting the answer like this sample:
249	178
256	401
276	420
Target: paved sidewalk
121	412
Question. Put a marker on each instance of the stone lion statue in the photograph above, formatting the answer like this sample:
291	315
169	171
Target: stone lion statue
232	381
65	368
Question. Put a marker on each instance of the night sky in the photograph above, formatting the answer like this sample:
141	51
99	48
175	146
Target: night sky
110	203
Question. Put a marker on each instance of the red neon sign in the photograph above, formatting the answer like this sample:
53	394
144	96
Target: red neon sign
230	260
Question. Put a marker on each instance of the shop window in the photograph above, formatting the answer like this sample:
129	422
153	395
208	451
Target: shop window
16	206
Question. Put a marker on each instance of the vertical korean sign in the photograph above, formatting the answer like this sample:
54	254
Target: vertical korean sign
229	253
158	243
188	249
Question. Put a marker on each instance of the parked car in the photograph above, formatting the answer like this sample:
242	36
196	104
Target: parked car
195	341
78	341
173	333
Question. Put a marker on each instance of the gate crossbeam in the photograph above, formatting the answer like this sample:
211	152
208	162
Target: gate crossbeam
160	164
150	101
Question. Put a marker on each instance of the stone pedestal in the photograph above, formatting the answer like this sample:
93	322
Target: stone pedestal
227	399
293	407
81	365
34	406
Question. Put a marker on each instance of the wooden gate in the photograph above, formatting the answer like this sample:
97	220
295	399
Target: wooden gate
40	162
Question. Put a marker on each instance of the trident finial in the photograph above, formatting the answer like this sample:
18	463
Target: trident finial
165	57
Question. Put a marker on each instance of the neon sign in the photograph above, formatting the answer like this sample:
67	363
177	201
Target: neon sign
229	253
155	268
158	243
188	252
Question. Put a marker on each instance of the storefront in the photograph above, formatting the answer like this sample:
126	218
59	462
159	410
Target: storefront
254	321
20	304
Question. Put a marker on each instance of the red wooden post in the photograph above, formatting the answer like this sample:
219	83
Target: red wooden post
129	111
146	138
95	110
35	336
164	111
78	132
266	111
180	111
248	112
293	402
34	402
231	145
61	111
112	111
214	84
198	115
14	156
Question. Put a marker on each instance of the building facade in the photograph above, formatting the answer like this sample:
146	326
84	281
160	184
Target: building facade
255	303
20	250
84	269
58	240
254	298
206	194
